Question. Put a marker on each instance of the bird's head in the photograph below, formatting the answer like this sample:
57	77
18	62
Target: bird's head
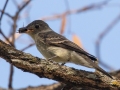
35	27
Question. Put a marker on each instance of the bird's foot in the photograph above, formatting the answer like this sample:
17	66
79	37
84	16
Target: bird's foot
62	64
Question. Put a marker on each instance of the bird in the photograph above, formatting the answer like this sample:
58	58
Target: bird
54	46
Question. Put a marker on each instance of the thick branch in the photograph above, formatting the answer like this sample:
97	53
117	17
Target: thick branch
51	70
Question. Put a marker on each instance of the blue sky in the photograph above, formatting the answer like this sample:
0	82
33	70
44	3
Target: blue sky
87	25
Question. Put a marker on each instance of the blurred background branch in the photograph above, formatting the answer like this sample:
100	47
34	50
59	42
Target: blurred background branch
12	41
101	37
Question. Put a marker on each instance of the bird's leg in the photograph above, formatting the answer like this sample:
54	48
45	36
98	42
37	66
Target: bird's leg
51	58
63	63
67	60
54	57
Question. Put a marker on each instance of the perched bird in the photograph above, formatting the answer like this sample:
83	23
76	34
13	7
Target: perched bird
54	46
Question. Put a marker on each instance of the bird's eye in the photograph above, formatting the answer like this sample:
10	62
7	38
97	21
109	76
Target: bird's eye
37	26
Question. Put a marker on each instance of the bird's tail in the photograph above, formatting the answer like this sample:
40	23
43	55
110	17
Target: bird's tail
100	69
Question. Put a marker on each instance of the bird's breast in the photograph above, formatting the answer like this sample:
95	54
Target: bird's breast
42	47
63	55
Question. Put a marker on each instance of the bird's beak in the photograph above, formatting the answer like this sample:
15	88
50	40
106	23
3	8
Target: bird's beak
23	30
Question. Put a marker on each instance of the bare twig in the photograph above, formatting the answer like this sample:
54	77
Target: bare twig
17	35
69	17
21	8
15	18
3	10
26	14
6	39
7	14
86	8
101	37
11	77
16	4
30	45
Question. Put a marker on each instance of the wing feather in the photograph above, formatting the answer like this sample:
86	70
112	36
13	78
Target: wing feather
54	39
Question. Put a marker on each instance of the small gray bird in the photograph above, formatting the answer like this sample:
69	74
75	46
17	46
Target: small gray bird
54	46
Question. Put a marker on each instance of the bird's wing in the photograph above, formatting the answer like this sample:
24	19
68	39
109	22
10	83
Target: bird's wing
58	40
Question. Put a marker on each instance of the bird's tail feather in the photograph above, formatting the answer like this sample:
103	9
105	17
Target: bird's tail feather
95	65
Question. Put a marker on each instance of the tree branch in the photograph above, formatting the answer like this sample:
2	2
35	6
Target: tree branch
3	10
52	70
101	37
76	11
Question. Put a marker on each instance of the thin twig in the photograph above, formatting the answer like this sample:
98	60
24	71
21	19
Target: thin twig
101	37
15	3
21	8
11	77
3	10
6	39
30	45
15	18
7	14
69	18
69	12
